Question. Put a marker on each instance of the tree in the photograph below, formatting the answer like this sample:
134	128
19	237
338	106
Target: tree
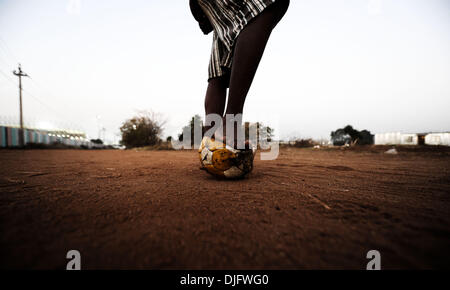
348	135
144	129
265	133
97	141
196	121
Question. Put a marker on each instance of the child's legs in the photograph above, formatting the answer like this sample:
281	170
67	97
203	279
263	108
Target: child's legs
216	94
248	51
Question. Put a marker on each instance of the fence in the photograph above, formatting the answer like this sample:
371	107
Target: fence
9	137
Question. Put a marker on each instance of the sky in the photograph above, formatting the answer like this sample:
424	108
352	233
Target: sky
380	65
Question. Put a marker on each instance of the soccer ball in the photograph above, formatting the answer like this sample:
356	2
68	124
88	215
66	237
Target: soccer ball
224	161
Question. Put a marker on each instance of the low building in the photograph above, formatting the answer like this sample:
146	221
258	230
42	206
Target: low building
9	137
395	138
412	139
438	139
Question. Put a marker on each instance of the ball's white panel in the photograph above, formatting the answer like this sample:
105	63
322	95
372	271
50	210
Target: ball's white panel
231	149
204	153
206	156
233	172
209	155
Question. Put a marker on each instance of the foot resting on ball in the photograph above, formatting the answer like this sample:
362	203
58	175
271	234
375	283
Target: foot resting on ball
222	160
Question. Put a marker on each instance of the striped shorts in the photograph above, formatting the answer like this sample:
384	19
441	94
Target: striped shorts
228	18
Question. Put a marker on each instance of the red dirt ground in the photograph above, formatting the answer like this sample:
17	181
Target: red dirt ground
309	209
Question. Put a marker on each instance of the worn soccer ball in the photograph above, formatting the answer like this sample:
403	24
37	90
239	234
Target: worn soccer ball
224	161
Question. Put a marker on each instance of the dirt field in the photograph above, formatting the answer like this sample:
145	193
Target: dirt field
309	209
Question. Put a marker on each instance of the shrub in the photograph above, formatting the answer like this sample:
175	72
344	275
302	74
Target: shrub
142	130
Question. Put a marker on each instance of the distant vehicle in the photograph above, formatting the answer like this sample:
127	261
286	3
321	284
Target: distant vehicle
341	138
117	146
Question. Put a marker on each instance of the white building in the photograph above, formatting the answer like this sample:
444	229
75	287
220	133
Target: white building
438	139
412	139
396	139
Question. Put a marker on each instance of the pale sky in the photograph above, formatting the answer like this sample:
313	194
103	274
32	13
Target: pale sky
381	65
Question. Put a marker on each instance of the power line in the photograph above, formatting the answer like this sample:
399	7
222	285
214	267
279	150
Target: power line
45	105
6	63
47	92
9	53
8	50
32	95
8	78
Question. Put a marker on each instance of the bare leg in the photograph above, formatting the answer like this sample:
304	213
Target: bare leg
248	51
216	94
249	48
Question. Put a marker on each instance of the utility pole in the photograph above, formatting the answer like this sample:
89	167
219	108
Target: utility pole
20	74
